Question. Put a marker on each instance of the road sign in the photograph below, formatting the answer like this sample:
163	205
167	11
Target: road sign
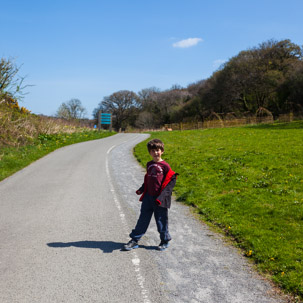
105	119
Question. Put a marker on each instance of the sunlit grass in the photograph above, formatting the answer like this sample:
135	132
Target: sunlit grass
249	182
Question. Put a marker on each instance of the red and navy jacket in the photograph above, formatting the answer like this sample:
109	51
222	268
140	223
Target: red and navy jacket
164	197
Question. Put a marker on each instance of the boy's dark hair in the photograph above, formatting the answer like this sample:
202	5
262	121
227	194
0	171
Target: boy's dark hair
155	144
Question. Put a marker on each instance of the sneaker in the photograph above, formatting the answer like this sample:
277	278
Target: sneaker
130	245
162	246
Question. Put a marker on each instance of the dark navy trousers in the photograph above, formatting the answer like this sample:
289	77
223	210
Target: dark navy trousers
148	208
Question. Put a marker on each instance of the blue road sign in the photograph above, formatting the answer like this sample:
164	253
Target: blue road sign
106	118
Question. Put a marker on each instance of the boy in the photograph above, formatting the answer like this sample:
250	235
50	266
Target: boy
155	194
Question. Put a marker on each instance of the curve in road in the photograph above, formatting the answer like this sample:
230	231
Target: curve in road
64	219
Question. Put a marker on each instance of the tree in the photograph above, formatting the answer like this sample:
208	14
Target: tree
147	97
123	105
72	109
170	101
164	105
11	85
145	120
251	80
292	91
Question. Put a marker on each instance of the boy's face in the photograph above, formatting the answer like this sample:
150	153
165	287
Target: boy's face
156	154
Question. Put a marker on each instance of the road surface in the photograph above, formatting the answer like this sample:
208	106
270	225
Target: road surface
64	219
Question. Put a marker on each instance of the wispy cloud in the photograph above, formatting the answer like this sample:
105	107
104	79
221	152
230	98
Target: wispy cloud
187	42
217	63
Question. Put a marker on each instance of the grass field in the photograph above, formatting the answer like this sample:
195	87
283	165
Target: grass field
13	159
248	181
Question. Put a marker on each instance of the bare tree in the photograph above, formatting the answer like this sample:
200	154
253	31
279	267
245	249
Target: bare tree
11	85
145	120
123	105
72	109
167	102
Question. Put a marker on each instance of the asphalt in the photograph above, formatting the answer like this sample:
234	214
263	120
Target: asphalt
64	219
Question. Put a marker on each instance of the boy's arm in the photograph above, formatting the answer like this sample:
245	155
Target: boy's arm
140	190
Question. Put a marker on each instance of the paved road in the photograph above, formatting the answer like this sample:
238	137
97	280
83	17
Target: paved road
64	218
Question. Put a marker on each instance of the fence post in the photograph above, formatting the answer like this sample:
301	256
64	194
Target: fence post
99	120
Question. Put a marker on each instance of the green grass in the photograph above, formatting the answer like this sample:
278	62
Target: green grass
13	159
248	181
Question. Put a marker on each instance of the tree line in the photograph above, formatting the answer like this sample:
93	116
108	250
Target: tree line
263	80
267	79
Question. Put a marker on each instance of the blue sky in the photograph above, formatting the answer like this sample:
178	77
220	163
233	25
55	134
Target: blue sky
90	49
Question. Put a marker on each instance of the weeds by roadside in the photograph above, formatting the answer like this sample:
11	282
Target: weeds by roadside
19	127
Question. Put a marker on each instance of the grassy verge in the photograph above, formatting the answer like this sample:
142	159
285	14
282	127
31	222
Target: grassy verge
13	159
249	182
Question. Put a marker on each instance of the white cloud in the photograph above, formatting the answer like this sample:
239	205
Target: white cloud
218	63
187	42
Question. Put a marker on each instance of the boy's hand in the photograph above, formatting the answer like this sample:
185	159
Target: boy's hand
138	192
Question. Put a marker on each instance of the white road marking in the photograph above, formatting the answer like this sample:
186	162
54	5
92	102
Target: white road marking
110	150
135	258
